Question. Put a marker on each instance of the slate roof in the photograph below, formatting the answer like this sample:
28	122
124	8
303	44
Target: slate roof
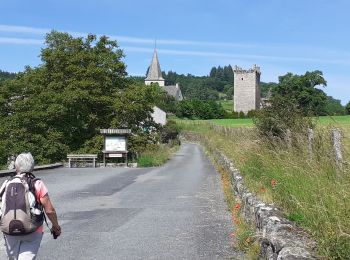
154	72
174	91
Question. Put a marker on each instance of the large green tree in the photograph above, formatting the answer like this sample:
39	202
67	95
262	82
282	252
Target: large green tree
60	105
301	90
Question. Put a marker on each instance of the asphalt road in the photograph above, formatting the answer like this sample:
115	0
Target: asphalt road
172	212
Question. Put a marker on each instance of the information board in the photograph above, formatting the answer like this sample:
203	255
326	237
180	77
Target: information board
115	143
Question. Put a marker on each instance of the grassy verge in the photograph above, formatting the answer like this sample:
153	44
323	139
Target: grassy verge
243	236
309	190
156	155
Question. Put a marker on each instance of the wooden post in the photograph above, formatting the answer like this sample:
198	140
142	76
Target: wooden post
289	138
310	138
336	142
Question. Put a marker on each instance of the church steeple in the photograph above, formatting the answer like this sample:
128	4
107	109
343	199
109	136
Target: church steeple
154	73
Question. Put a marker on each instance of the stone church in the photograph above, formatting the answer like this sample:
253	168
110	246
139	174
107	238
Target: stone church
154	75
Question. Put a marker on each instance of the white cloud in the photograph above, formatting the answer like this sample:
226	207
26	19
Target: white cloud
22	29
340	59
8	40
237	56
121	38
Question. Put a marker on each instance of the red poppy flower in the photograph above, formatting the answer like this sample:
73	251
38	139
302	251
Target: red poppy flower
237	206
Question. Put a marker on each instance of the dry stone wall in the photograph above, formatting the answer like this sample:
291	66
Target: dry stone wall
279	238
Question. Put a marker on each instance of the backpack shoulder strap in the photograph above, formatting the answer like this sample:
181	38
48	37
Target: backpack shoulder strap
31	179
3	188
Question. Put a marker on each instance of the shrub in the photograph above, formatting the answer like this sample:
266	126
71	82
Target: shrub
241	114
280	117
251	114
230	115
169	132
154	155
199	109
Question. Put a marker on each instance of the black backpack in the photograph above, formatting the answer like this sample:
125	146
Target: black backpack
21	213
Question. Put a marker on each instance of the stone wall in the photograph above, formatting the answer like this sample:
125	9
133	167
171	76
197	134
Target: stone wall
279	238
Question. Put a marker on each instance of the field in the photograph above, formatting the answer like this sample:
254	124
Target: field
323	120
310	190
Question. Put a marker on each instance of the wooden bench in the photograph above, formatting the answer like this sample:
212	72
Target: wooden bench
81	158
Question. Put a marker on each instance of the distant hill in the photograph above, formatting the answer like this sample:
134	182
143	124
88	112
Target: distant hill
218	84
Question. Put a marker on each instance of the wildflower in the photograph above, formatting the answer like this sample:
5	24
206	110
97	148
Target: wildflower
262	190
237	206
273	183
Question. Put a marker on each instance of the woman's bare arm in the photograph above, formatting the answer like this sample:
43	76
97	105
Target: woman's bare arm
51	214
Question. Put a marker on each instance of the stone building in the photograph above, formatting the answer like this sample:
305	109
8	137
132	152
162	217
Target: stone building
154	75
247	94
159	116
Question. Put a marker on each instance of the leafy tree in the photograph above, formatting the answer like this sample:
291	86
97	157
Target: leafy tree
60	105
300	89
267	89
133	107
347	108
213	72
4	75
333	107
166	102
199	109
228	74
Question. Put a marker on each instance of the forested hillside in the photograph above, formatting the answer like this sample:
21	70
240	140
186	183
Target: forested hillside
218	84
6	75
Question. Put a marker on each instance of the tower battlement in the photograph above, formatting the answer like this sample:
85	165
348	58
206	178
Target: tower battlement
255	68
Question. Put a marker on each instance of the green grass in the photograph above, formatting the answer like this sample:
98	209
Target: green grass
156	156
239	122
340	121
337	120
310	191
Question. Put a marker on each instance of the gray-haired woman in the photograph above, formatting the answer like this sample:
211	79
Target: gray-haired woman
25	246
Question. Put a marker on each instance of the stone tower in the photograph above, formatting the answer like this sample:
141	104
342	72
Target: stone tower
246	89
154	74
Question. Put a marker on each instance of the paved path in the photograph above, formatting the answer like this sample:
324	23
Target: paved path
173	212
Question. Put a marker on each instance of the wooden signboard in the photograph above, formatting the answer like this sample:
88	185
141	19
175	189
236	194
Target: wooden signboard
115	144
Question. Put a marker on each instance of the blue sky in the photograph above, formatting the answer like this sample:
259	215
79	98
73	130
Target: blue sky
193	35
